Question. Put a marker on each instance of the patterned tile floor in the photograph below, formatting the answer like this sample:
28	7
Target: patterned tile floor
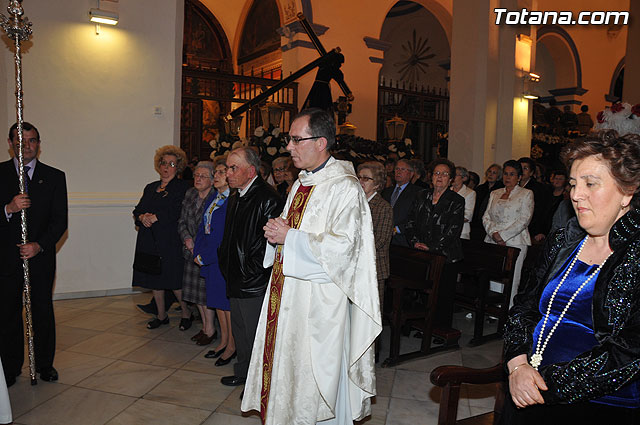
115	371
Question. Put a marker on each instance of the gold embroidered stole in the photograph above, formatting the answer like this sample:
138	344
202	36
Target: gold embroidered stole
294	217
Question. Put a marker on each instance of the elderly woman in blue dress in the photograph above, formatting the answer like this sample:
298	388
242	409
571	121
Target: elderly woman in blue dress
572	341
206	255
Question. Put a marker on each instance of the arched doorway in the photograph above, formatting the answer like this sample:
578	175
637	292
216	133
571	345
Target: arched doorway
414	78
558	62
205	49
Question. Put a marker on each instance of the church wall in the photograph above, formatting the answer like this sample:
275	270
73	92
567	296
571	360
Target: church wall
103	105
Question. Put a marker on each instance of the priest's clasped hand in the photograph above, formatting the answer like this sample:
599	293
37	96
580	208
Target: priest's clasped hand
276	230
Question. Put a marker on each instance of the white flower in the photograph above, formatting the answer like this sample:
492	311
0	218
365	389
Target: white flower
272	151
267	140
407	141
276	132
259	132
226	144
401	154
393	148
213	143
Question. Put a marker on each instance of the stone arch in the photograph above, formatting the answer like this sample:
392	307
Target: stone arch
617	82
205	44
429	38
564	53
255	11
435	7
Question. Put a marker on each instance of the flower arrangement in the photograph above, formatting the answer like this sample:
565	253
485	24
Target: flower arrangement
622	117
223	144
270	142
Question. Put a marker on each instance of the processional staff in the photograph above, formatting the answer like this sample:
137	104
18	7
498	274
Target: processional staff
18	28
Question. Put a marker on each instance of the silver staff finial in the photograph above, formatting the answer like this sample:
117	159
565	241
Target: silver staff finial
16	26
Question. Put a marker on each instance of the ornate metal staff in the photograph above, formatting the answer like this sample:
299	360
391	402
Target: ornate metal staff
19	29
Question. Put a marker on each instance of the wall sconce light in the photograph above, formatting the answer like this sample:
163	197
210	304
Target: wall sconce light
533	77
101	16
529	79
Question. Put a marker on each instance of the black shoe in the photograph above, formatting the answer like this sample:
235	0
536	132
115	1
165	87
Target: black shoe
49	374
155	323
222	362
212	354
150	308
185	323
232	381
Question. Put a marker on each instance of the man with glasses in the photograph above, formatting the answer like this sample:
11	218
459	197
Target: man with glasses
401	197
313	357
242	250
46	206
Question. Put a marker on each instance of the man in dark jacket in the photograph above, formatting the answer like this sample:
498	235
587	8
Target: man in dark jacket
46	206
539	225
241	252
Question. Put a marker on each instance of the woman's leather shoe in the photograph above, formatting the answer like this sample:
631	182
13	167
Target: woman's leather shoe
212	354
197	336
206	340
222	362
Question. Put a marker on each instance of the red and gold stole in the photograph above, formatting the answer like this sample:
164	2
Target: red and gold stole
294	217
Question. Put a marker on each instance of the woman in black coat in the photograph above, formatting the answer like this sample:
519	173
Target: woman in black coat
156	216
435	221
434	224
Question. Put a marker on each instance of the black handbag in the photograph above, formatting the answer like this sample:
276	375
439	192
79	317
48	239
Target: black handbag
148	263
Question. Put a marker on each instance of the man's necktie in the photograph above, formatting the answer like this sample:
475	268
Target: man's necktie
394	196
27	180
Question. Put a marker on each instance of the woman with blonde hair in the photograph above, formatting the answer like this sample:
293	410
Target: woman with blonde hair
158	262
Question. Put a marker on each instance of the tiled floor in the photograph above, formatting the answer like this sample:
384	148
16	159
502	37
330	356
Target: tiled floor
115	371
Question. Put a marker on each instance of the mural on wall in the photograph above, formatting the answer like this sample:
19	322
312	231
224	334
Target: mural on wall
419	54
259	35
415	60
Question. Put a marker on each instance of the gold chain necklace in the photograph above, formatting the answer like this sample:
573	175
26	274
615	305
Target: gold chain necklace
536	359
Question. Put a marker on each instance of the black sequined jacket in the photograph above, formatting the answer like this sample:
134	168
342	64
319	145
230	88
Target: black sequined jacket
438	226
615	312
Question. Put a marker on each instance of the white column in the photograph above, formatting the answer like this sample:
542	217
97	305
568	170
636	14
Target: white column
474	84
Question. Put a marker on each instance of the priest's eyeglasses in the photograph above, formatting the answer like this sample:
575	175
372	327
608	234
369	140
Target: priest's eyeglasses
296	140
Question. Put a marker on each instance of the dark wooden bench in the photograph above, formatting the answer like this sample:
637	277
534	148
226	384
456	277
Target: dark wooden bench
483	263
450	379
413	284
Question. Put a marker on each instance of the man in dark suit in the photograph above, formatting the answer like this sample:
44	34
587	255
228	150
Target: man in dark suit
46	206
401	197
539	225
241	253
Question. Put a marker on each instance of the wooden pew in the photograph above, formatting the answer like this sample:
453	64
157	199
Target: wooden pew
450	379
414	281
484	262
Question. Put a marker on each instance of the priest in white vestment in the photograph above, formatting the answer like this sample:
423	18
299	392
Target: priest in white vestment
320	367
